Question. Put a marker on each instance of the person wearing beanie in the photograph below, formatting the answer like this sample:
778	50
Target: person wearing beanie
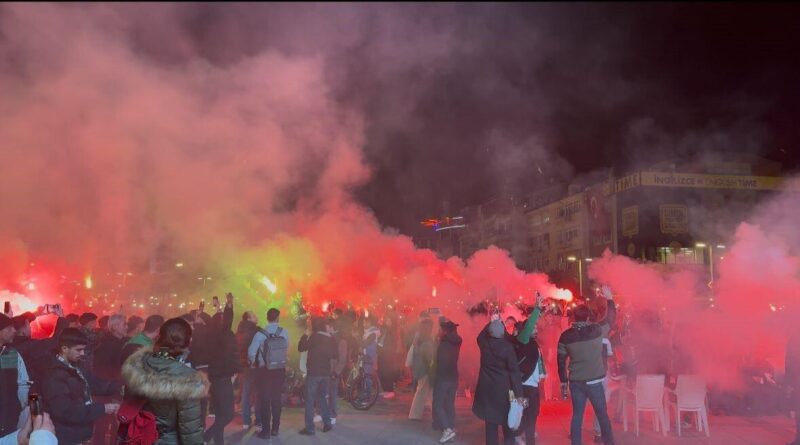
446	380
499	374
13	379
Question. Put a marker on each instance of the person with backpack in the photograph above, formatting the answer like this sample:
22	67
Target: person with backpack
163	394
268	354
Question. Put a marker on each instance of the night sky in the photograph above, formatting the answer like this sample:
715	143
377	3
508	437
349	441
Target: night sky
618	85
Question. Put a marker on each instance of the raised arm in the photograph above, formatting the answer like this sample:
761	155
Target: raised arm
524	336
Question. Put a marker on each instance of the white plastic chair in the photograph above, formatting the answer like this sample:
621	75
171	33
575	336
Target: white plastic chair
648	395
690	396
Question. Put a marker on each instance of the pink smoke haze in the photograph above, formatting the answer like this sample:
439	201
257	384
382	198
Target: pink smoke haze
753	307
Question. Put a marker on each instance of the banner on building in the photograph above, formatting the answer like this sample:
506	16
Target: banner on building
674	219
630	221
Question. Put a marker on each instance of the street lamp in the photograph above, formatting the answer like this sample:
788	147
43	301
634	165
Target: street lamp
710	260
204	279
573	259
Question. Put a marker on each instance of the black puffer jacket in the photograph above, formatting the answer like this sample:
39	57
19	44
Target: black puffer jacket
67	398
173	391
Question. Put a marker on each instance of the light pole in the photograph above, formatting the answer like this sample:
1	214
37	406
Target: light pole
573	259
204	279
710	260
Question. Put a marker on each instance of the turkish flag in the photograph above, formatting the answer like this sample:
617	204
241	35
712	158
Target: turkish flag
598	213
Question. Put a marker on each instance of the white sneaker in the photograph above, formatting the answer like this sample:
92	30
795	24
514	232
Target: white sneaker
519	440
447	436
246	427
317	418
333	420
389	395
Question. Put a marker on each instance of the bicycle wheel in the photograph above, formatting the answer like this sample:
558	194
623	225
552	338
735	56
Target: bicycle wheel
364	393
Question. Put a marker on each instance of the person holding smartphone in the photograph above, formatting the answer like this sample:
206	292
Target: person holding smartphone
37	430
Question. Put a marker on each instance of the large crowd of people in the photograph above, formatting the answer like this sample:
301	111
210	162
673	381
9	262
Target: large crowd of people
94	373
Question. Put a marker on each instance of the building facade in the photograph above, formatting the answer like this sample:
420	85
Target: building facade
672	214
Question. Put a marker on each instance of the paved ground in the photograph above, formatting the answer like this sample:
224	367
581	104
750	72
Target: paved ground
386	424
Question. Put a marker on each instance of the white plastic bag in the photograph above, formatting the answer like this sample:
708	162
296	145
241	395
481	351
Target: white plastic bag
515	410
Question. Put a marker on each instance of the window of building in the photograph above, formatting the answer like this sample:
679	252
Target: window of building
567	211
566	237
683	255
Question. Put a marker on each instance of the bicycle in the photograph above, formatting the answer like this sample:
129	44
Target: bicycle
361	388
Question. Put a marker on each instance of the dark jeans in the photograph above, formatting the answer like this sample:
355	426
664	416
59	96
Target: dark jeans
333	395
249	399
597	397
528	423
221	399
444	404
387	371
269	384
493	439
317	394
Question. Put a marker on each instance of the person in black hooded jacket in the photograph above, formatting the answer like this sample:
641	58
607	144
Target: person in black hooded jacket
446	380
223	364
